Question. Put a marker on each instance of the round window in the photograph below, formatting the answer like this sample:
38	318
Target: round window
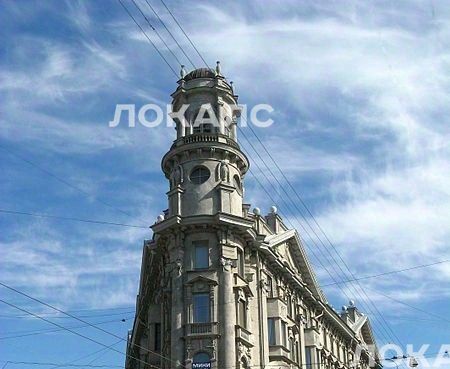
200	175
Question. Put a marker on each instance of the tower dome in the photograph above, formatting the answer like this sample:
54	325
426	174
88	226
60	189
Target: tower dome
200	73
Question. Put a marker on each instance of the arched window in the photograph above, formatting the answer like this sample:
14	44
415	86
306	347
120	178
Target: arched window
200	175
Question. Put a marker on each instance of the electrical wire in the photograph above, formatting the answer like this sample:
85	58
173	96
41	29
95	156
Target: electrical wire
147	37
38	215
76	333
389	272
185	34
47	331
156	31
74	317
64	181
170	33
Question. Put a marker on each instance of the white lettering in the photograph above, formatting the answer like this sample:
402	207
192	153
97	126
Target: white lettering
117	114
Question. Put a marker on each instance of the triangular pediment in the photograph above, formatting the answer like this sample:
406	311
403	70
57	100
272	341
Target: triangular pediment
202	279
289	249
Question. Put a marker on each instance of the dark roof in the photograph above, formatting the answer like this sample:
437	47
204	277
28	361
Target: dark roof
200	73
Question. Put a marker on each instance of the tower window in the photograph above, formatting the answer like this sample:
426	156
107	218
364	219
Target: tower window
201	255
201	308
200	175
237	182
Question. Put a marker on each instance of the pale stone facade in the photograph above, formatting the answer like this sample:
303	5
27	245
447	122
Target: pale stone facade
224	287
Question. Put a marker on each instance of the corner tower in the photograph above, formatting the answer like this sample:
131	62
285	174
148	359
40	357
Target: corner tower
205	166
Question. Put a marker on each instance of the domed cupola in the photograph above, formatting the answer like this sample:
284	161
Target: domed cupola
205	165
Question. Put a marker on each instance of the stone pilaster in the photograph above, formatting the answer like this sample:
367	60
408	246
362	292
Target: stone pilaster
227	353
177	316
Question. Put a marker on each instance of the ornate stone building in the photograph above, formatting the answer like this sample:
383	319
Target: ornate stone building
224	287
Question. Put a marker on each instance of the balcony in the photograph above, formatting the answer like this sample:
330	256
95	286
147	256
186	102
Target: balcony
201	329
243	335
312	337
205	137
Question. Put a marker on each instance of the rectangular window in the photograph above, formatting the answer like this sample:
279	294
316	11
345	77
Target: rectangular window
240	263
269	286
289	305
157	337
308	358
283	334
291	349
271	331
201	255
201	308
242	311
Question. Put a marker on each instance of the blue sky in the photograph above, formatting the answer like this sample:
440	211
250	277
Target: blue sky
361	98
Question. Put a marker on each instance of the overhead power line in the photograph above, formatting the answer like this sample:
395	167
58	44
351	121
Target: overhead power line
185	34
170	33
76	318
54	365
21	334
388	273
409	305
75	333
64	181
147	37
4	211
66	317
157	33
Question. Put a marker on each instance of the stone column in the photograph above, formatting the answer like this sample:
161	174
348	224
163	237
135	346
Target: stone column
227	317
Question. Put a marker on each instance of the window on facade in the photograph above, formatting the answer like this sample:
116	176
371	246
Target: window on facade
289	305
308	357
157	341
201	308
201	358
242	313
200	175
292	349
269	286
271	331
201	255
237	182
283	334
240	262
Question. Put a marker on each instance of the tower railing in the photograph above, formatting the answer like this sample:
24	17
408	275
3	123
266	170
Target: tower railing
205	137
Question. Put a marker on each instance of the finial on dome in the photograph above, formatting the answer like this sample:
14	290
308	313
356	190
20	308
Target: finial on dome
218	69
273	209
351	303
182	72
257	211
